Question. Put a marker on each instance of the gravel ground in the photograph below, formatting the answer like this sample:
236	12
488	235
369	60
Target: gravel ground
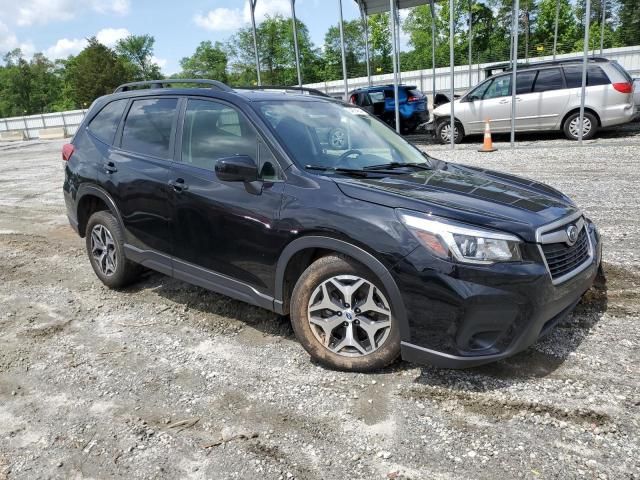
166	380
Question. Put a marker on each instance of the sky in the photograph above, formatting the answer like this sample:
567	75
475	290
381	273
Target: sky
59	28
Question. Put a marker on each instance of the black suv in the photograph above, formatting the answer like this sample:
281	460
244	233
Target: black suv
374	248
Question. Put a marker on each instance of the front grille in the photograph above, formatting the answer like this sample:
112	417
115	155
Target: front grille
562	258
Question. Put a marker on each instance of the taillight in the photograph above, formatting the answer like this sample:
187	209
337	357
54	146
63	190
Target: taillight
67	151
352	99
623	87
413	99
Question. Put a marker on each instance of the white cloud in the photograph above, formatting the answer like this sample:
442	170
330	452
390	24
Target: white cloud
226	19
9	41
40	12
161	62
219	19
110	36
65	47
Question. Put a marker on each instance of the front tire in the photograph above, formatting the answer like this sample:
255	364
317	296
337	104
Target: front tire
571	126
105	247
342	316
443	132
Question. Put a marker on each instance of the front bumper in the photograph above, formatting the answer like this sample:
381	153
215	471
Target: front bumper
464	316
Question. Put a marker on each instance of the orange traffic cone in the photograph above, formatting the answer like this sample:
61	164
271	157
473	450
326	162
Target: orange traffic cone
487	146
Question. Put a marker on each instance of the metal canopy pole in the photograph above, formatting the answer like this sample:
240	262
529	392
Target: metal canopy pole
433	48
452	74
365	24
344	55
252	6
603	4
398	42
470	40
392	17
585	56
555	31
514	27
295	40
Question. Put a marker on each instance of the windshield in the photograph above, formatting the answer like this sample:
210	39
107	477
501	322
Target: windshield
327	135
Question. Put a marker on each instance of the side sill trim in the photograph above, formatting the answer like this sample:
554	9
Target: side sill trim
199	276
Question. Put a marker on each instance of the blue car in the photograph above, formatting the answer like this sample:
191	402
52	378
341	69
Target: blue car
379	101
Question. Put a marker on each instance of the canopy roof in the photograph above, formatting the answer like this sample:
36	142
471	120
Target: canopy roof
381	6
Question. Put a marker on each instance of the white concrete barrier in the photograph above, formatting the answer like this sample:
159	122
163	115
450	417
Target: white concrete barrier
13	135
52	133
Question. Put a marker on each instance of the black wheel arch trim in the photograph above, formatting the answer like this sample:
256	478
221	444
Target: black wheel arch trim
96	191
358	254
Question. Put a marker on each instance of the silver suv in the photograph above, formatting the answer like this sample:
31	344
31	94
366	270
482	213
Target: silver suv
548	98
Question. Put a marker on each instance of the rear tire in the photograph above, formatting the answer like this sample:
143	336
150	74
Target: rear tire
571	126
360	336
105	247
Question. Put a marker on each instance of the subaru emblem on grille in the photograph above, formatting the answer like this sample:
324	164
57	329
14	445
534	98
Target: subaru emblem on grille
572	234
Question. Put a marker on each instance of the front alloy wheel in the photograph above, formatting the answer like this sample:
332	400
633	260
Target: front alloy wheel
349	315
341	315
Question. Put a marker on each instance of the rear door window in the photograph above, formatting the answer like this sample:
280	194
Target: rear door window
105	123
524	81
548	79
150	126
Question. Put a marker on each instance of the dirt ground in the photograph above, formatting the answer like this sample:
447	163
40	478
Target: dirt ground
166	380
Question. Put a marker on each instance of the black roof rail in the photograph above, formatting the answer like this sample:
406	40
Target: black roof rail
547	63
214	84
310	91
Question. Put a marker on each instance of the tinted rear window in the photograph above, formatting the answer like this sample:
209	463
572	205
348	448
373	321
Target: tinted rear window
595	76
550	79
524	81
414	92
105	123
148	128
622	70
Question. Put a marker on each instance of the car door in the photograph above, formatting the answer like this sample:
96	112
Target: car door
135	175
224	233
549	99
527	102
494	104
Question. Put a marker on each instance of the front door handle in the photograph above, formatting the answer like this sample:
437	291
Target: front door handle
110	167
178	185
505	101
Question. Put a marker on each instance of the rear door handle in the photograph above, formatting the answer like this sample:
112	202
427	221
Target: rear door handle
110	167
178	185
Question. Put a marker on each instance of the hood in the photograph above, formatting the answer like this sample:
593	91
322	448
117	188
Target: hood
467	194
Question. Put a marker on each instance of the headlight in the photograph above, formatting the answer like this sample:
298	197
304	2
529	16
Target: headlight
450	240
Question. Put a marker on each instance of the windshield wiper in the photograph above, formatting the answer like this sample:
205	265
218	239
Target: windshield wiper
392	165
349	171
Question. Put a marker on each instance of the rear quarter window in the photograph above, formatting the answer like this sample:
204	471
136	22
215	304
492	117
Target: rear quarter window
149	126
105	123
595	76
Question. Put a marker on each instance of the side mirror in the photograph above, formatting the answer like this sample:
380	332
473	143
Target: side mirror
239	168
472	98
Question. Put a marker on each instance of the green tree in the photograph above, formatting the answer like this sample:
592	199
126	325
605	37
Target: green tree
568	32
277	55
95	71
354	51
380	43
208	61
137	50
629	30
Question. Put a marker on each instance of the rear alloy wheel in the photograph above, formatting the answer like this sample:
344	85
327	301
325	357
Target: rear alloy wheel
342	316
572	126
105	247
443	132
